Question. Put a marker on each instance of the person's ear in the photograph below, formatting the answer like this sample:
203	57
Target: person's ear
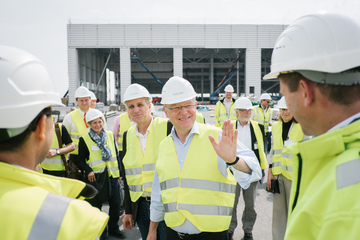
165	111
307	92
40	128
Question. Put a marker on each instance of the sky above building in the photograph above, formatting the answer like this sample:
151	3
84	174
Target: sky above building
39	26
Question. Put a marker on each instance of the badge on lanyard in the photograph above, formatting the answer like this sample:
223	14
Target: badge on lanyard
288	142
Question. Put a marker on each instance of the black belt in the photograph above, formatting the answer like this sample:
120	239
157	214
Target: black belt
187	236
147	198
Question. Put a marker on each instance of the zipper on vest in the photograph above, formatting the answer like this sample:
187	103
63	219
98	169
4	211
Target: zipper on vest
298	182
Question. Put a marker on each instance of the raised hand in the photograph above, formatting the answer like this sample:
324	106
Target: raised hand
226	147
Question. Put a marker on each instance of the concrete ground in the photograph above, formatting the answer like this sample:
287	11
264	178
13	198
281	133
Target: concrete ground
262	228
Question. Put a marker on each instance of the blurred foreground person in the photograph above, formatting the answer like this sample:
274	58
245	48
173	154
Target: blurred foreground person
35	205
317	61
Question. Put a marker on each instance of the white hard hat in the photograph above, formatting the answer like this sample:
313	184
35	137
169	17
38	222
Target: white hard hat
94	114
229	88
265	96
92	95
135	91
152	110
324	42
282	103
82	92
243	103
177	89
26	88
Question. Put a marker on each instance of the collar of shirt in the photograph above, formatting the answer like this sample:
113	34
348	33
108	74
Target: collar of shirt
345	122
81	112
244	134
194	129
143	137
246	125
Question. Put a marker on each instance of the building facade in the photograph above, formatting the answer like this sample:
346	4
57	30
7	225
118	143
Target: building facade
149	54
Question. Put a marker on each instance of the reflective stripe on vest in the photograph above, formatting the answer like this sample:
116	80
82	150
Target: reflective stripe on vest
199	184
261	117
139	167
199	209
204	197
81	129
347	174
282	159
125	124
47	223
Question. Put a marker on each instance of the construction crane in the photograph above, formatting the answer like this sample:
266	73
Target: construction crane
225	80
133	56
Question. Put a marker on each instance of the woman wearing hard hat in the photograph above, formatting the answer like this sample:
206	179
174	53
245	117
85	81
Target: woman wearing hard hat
98	158
284	132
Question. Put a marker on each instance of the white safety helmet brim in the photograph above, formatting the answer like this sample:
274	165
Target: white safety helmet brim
26	88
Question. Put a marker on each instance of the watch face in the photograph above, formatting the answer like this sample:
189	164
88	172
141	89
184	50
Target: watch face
57	151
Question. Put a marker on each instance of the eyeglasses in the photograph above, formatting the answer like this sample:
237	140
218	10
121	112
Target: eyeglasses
267	101
177	109
55	115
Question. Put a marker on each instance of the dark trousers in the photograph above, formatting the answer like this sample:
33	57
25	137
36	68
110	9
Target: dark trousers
173	235
143	220
114	206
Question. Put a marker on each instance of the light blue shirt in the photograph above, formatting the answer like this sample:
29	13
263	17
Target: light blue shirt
157	210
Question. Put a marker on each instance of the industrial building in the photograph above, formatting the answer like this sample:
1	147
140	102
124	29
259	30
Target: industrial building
149	54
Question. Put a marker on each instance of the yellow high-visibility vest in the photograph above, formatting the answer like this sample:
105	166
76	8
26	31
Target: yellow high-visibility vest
39	206
325	190
125	124
81	129
95	160
221	114
55	163
198	193
139	167
282	162
263	118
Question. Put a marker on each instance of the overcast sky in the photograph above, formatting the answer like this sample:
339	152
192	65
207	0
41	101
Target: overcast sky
39	26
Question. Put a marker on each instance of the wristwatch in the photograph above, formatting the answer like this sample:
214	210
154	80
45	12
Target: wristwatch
58	151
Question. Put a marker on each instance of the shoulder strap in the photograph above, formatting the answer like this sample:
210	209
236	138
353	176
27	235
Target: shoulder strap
57	131
169	127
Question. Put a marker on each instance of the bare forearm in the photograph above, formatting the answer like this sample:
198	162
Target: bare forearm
68	148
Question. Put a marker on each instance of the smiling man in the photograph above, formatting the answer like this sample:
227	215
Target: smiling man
193	189
140	149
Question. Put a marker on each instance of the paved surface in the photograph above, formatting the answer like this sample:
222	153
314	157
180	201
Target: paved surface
262	228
